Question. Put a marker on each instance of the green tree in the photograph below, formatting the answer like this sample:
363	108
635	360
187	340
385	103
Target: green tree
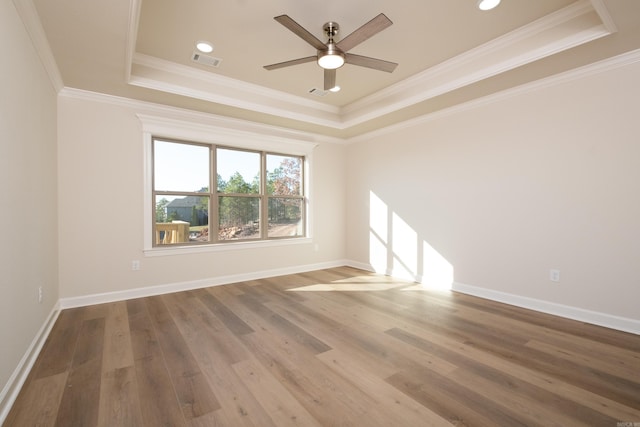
238	185
237	211
194	216
222	184
161	210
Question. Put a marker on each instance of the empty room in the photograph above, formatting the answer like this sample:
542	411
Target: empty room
320	213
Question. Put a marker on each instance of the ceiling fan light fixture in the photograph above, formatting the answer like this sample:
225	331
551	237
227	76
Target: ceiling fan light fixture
487	4
331	60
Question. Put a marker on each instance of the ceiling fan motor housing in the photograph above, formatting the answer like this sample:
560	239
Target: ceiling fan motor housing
331	30
331	50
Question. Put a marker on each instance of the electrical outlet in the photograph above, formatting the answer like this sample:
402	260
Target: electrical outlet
135	265
554	275
40	294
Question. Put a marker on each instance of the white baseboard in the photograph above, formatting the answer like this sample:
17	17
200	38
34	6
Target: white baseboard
593	317
17	379
359	265
101	298
383	270
11	389
19	376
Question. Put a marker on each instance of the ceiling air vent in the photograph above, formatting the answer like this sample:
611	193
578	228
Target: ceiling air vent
318	92
206	60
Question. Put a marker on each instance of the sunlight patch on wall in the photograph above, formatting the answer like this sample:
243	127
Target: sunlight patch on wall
404	247
378	232
377	254
438	272
378	217
396	248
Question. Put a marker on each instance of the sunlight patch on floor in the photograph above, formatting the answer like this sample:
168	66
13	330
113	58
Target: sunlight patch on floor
348	287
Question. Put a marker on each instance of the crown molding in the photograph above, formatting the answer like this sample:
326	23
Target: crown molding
608	64
184	115
606	18
222	82
175	113
576	24
191	82
31	20
566	28
131	36
212	132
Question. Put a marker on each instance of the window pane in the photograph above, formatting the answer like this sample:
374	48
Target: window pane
239	218
180	167
284	175
238	171
181	219
285	217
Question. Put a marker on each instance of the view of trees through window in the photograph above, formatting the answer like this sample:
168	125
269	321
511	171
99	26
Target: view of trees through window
258	195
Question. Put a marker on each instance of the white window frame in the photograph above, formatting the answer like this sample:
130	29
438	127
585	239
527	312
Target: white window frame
261	138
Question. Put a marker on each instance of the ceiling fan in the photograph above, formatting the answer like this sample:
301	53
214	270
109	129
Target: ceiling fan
331	55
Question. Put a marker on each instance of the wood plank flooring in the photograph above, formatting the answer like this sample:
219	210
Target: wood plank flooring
336	347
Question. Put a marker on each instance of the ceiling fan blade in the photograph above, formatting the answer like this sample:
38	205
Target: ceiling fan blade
369	29
290	63
300	31
329	79
366	61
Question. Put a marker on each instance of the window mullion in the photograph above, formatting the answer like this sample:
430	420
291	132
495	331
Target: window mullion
213	196
264	221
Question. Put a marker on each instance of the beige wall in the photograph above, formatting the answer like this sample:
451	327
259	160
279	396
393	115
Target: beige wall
509	190
28	217
501	192
101	210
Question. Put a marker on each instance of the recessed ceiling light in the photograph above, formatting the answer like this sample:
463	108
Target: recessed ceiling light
336	88
487	4
204	46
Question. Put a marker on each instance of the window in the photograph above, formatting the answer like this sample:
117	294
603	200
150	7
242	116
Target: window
207	193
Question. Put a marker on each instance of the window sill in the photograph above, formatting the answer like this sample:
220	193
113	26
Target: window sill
223	247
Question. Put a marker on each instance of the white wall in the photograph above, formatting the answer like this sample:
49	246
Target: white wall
508	190
28	242
101	210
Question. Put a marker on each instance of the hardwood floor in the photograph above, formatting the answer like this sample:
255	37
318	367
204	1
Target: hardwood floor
337	347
